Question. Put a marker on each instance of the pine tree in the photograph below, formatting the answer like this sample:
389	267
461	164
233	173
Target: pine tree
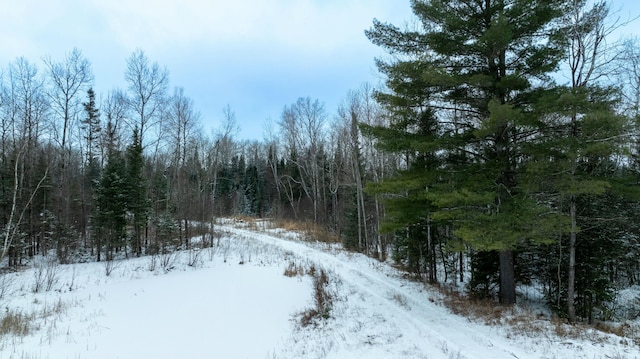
111	207
136	191
91	124
92	128
475	68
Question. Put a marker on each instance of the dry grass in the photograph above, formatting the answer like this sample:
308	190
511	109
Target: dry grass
525	322
20	324
623	330
484	309
16	323
294	270
401	300
248	222
243	219
289	225
323	299
312	231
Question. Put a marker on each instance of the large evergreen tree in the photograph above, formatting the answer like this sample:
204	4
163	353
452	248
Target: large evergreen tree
91	126
475	69
91	169
110	219
136	191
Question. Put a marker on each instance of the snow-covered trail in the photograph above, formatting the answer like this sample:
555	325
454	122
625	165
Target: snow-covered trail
235	302
428	329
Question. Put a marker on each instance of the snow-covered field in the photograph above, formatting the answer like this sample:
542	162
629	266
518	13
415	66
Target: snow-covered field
213	306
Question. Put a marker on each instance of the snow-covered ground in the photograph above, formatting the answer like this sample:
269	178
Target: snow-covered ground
219	308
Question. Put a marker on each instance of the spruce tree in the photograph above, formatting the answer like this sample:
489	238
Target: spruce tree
92	128
475	68
111	207
136	191
91	124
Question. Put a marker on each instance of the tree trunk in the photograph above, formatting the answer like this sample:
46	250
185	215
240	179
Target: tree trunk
461	264
507	278
571	310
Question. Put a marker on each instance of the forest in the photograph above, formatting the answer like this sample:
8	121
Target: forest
501	151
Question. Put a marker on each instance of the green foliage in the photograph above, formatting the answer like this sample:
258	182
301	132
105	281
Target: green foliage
461	100
166	234
507	224
415	249
604	247
253	188
137	202
350	232
111	205
91	124
484	274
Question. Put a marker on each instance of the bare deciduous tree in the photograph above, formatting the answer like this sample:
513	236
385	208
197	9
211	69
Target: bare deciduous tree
303	129
590	57
147	92
115	112
68	81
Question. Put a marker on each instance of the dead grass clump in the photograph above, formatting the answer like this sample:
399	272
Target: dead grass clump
322	297
246	222
19	324
294	270
491	313
311	231
289	225
619	329
243	219
401	300
562	328
528	323
485	309
16	323
323	235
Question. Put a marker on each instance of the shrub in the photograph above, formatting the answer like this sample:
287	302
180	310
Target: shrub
294	270
322	297
15	323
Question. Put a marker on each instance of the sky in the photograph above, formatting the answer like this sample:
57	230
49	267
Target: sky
255	56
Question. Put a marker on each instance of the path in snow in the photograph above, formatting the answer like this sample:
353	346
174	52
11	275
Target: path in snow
433	330
221	309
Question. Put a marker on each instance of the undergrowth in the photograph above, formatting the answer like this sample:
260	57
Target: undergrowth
20	324
16	323
323	299
312	232
294	270
529	323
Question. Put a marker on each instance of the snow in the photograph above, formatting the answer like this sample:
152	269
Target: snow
219	308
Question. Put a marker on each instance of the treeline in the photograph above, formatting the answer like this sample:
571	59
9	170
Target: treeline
132	172
471	159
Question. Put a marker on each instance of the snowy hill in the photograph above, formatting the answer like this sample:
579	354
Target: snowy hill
234	301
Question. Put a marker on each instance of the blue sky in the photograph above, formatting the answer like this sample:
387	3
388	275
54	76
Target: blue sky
254	55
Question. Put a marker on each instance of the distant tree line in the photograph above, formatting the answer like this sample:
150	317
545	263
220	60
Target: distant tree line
91	176
474	157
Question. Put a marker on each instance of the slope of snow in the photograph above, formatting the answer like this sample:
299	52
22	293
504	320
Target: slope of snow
222	309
